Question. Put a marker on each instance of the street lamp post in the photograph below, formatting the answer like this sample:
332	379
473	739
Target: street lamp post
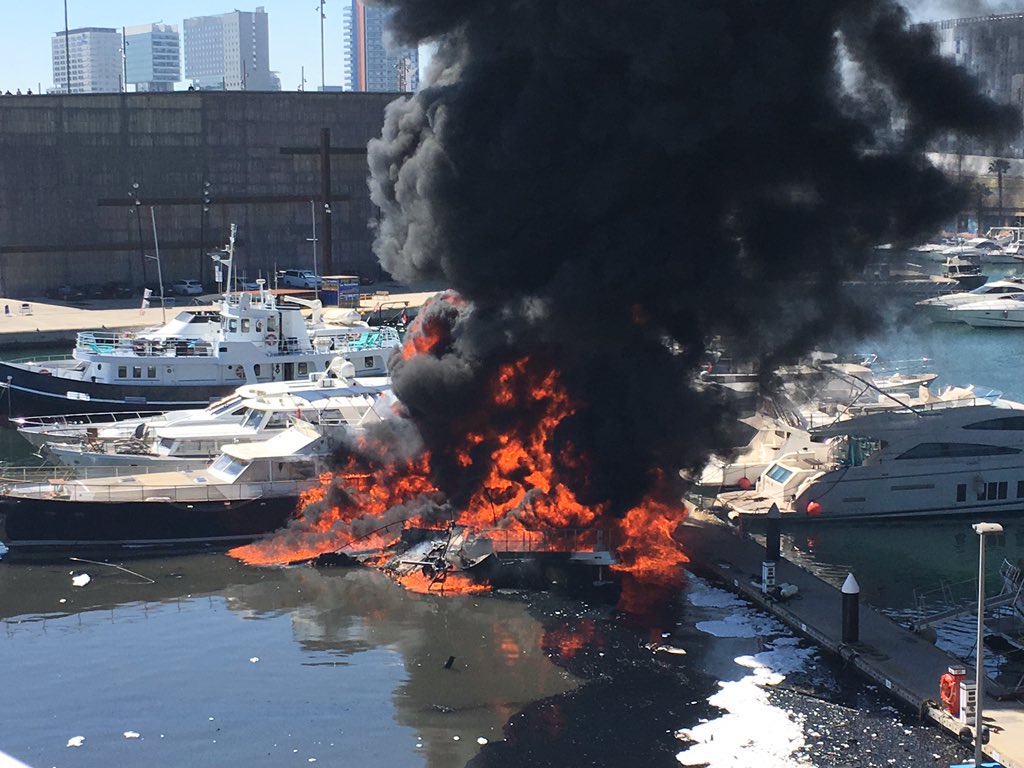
982	529
134	194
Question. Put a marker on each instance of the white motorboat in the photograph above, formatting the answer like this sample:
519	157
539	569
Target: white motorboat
336	411
1005	312
943	461
937	308
191	360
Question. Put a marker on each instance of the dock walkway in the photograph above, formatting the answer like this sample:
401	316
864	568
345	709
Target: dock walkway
904	663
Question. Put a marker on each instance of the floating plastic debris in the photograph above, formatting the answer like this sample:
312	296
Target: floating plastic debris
481	741
131	734
76	741
81	579
254	659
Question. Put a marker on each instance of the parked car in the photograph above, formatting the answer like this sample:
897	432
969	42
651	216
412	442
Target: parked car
187	287
300	278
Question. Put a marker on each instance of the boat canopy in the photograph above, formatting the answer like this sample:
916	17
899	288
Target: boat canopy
289	443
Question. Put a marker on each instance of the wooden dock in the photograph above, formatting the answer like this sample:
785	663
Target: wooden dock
904	663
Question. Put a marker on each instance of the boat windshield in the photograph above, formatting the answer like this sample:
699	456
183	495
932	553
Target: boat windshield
228	466
225	405
253	418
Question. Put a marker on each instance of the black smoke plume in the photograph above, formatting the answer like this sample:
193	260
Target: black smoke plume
610	185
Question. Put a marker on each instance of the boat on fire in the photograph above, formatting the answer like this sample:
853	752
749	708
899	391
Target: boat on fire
250	489
925	463
191	360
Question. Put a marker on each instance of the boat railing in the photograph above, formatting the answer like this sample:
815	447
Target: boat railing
129	345
62	488
40	359
100	419
551	540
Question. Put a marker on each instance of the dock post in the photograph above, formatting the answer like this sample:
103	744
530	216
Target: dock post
771	550
851	610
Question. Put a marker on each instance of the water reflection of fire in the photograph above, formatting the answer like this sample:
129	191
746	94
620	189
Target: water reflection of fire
521	502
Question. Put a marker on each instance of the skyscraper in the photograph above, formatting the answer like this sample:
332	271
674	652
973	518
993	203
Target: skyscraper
230	51
152	56
372	65
95	60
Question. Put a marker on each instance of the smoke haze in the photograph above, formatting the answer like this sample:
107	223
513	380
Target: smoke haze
609	185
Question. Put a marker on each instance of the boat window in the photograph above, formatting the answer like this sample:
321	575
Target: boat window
252	418
303	369
961	492
256	369
224	405
278	420
136	371
368	362
1020	489
1006	423
166	442
232	325
779	473
122	371
989	491
955	450
151	372
228	466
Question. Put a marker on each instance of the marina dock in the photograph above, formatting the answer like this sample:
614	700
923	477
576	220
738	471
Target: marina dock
34	323
905	664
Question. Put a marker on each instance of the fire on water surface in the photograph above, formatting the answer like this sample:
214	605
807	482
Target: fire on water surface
518	504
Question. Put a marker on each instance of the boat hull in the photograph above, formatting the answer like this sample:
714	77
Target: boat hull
28	393
29	524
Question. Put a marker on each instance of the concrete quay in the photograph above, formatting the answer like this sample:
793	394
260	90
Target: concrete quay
35	323
904	663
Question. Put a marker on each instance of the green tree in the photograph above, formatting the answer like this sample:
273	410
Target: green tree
999	167
980	192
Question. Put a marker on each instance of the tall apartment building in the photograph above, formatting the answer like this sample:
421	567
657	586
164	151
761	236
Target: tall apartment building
230	51
372	65
989	47
95	54
152	56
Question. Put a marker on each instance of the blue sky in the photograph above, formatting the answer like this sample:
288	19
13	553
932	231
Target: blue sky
27	26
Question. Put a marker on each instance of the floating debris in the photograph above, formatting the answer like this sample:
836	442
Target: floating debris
131	734
81	579
76	741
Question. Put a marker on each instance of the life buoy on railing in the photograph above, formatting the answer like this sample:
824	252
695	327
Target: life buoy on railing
270	338
44	371
949	692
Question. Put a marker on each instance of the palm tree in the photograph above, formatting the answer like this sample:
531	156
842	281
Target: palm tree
980	193
999	167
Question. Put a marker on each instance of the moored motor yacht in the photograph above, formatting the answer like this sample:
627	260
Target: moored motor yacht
945	461
249	490
938	308
190	361
1005	312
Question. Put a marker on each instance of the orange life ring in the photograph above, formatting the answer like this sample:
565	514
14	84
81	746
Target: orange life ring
949	692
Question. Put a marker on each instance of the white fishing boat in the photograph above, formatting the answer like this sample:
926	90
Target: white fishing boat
927	462
191	360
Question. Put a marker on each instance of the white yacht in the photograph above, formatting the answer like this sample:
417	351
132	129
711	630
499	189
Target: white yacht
1004	312
191	360
938	308
944	461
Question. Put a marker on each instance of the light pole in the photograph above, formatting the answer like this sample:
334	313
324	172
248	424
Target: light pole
323	80
202	229
312	211
134	194
982	529
159	272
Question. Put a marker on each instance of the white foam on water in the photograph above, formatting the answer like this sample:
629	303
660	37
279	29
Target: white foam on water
751	732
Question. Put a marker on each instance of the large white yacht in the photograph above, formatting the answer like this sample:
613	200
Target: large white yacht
192	360
945	461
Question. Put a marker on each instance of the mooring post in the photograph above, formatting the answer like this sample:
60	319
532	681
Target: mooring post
851	610
771	549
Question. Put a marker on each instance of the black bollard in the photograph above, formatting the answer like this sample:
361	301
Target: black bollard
851	610
771	534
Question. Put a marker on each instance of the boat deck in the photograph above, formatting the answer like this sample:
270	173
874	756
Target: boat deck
904	663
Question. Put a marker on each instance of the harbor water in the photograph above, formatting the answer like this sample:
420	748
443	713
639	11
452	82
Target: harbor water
203	660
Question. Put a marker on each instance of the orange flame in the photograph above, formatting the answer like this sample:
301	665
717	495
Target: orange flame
521	504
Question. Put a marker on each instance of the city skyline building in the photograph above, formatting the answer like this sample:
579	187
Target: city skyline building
229	51
371	63
95	60
152	57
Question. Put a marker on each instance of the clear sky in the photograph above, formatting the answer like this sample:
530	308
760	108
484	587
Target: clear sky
26	27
